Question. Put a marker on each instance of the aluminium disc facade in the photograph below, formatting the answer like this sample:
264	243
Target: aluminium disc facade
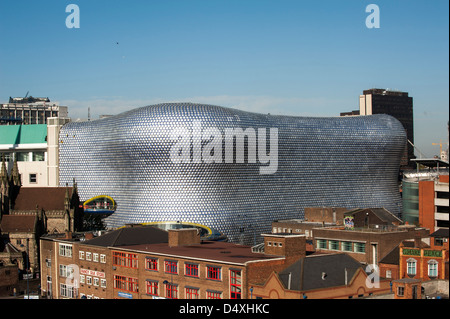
231	170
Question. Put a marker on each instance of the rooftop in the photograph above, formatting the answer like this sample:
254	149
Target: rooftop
23	134
206	250
18	223
128	236
47	198
319	271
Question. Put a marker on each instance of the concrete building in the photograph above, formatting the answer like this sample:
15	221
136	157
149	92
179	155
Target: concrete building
425	194
35	148
30	110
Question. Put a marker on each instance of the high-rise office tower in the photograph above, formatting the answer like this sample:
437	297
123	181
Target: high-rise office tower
395	103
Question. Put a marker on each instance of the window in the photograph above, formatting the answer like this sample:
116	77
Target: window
347	246
95	257
191	270
433	268
388	274
48	262
400	291
127	260
151	263
103	259
213	273
33	178
321	243
89	280
65	271
126	283
82	279
103	283
411	264
81	254
23	156
66	291
438	241
171	291
152	287
65	250
96	281
213	295
191	293
235	284
38	156
333	245
359	248
171	267
88	256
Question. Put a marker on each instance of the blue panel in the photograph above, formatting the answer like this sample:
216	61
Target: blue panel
340	161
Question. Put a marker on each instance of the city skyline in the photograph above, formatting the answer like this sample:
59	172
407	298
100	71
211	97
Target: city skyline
291	57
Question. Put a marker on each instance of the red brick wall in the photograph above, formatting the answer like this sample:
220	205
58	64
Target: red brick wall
426	204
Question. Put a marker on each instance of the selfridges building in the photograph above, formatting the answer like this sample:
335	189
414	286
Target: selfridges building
231	170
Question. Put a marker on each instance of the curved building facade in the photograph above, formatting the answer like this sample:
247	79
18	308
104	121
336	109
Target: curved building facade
231	170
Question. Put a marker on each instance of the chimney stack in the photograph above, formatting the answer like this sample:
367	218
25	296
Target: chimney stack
183	237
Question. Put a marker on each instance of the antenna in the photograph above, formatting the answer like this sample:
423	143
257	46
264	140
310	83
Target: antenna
89	113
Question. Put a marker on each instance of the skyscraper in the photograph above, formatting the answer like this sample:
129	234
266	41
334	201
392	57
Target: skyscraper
395	103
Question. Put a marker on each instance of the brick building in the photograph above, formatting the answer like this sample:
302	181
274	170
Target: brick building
423	261
323	276
314	217
434	203
407	288
143	262
366	234
367	245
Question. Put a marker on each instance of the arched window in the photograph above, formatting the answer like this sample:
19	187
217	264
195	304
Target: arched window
433	268
411	265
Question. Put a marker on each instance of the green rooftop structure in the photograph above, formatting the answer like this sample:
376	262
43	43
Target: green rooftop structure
23	134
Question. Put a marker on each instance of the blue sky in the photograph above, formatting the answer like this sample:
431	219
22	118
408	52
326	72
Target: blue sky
306	58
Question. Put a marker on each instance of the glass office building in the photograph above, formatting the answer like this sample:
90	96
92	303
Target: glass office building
231	170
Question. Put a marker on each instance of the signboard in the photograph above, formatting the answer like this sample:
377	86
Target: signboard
92	273
411	252
426	253
432	253
349	223
125	295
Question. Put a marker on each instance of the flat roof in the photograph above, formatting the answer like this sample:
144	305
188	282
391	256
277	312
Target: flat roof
207	250
430	162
